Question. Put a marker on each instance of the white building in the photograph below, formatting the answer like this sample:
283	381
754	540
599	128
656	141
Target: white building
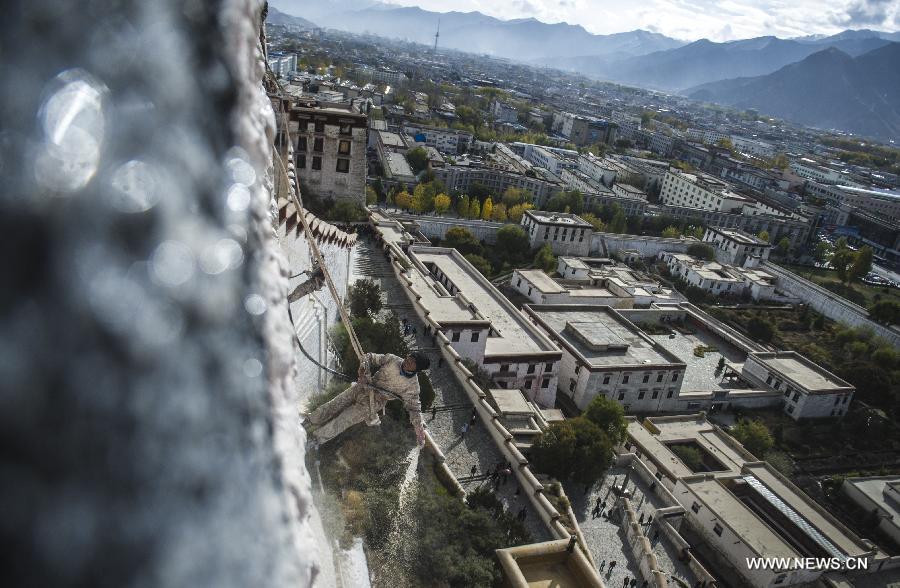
700	191
503	112
739	507
753	147
880	496
566	233
540	288
720	279
810	170
605	354
618	280
449	141
736	247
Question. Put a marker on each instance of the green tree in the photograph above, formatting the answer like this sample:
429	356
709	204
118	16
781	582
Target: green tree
822	251
783	247
515	213
862	263
364	298
462	240
764	235
462	206
754	436
671	232
545	260
575	449
512	244
371	195
480	263
487	209
701	251
690	456
441	203
618	222
475	209
512	196
760	329
417	158
595	222
609	416
886	312
841	259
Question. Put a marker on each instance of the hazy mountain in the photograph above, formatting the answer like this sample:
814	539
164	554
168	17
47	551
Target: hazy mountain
521	39
275	16
828	89
706	61
849	34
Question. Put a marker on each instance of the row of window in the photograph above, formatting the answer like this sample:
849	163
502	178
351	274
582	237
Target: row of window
344	128
342	165
627	377
319	145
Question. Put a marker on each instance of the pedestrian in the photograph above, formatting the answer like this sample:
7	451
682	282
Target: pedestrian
641	519
598	503
625	583
612	564
474	469
414	331
472	420
464	430
650	520
506	474
602	565
433	411
633	582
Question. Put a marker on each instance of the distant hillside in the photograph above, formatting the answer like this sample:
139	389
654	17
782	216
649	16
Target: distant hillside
706	61
829	89
275	16
521	39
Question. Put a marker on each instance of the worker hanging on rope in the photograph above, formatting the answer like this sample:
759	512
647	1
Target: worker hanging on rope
394	378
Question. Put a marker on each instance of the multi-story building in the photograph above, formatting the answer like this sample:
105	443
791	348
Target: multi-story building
617	279
449	141
566	233
810	170
389	76
330	155
540	288
553	159
753	147
720	279
584	130
736	247
605	354
629	191
882	203
879	495
699	191
282	64
503	112
465	174
661	144
738	507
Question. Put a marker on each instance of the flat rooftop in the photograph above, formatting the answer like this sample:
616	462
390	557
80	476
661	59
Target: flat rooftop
801	371
512	333
558	218
600	336
541	281
740	237
874	488
510	401
398	165
389	139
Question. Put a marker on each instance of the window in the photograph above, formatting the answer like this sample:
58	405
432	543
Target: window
670	392
320	126
646	378
545	383
695	507
504	367
317	163
548	367
455	336
345	130
531	368
655	394
659	377
519	283
301	144
796	396
606	379
475	337
641	394
625	378
790	409
344	148
769	380
343	166
301	161
717	529
571	384
621	396
318	144
837	400
675	377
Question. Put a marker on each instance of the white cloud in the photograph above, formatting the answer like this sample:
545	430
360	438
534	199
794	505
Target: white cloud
718	20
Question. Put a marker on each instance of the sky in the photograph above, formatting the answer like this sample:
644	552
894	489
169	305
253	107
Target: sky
717	20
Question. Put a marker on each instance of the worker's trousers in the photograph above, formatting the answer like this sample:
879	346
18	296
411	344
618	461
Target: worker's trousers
341	412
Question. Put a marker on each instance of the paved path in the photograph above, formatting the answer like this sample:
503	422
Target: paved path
605	537
462	451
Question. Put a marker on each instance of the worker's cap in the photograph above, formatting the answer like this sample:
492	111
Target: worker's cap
422	361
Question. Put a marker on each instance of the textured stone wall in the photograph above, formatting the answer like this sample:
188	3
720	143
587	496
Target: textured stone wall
149	425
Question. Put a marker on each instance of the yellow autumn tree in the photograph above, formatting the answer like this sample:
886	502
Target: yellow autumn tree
441	203
487	209
403	200
499	213
475	209
515	212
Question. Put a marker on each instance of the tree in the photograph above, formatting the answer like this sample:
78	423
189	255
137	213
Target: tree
515	213
618	222
417	158
487	209
364	298
764	235
690	456
475	208
609	416
462	240
462	206
862	263
595	222
761	330
701	251
512	244
671	232
754	436
403	200
575	449
371	195
886	312
424	195
499	213
512	196
545	260
783	247
822	251
441	203
841	259
479	263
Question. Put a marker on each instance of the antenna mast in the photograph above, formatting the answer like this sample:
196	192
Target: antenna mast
437	34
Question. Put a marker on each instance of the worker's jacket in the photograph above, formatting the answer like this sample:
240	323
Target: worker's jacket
387	375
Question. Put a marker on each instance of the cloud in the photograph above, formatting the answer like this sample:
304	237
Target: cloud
871	13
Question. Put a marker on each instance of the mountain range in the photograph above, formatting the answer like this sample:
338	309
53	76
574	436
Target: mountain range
275	16
829	89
